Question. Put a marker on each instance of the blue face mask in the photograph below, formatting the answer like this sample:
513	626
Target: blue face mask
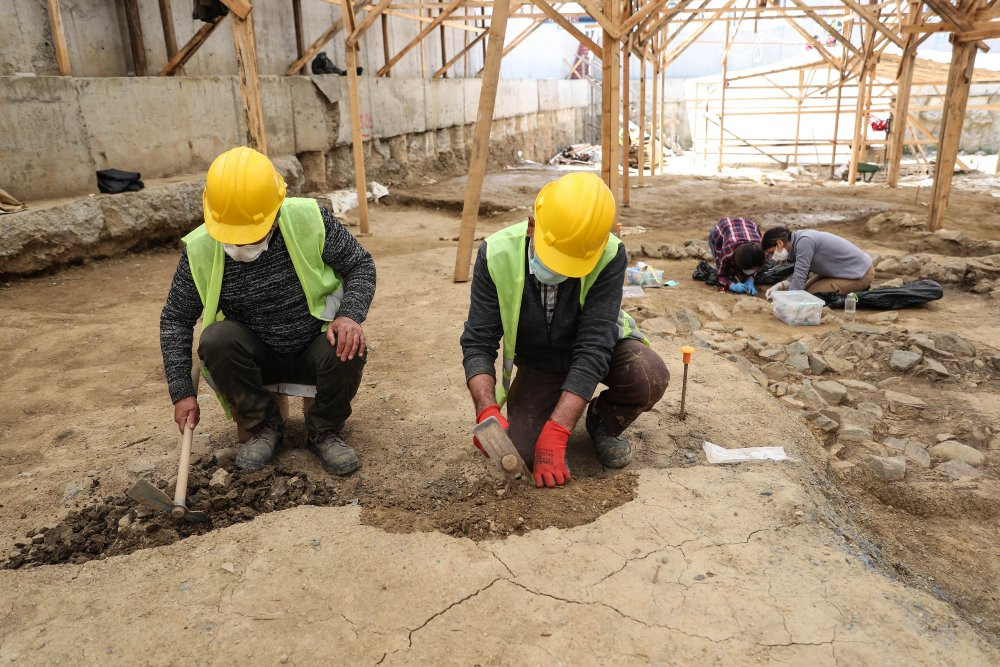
542	273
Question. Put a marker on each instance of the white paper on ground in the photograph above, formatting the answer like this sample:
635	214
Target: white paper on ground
717	454
632	292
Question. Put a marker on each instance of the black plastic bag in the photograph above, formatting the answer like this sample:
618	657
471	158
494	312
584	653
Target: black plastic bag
774	273
208	10
890	298
706	273
322	64
113	181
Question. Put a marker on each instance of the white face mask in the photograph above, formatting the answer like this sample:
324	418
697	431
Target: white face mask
749	272
249	252
542	273
780	255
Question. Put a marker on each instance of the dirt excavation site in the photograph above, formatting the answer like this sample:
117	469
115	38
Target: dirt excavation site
876	542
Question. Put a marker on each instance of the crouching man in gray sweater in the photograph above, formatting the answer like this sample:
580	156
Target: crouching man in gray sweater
837	264
551	288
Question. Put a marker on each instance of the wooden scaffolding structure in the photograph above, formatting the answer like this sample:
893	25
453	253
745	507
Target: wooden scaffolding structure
851	49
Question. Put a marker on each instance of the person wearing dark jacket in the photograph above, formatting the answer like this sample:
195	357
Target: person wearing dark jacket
282	289
551	289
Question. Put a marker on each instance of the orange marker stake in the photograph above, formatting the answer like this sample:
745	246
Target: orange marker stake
686	353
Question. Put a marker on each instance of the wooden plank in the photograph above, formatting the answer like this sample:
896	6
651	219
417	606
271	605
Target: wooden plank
373	15
610	97
136	43
241	8
663	97
654	27
722	107
300	35
859	109
59	39
626	132
635	19
699	31
189	49
642	119
451	23
874	22
468	47
320	42
848	31
813	42
558	18
956	98
827	27
600	16
167	20
926	131
354	108
444	51
385	38
245	42
904	81
990	31
654	121
444	13
951	14
481	140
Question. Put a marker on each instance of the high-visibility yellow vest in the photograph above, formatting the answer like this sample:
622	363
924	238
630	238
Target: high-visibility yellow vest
505	257
304	233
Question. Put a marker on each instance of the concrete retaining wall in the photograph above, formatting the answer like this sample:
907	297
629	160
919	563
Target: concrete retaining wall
55	132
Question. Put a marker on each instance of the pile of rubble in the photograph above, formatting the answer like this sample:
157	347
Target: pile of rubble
851	385
692	248
577	154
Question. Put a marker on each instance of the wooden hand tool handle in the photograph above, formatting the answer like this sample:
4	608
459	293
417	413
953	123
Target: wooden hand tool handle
180	489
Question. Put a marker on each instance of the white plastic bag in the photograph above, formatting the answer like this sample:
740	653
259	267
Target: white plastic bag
717	454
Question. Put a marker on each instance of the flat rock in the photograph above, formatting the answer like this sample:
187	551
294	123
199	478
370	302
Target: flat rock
224	455
899	401
889	265
825	424
832	392
854	432
759	376
917	454
751	305
868	329
660	326
838	365
958	470
72	490
935	367
810	397
671	251
220	478
142	468
954	450
903	360
792	403
798	362
889	468
778	372
817	364
898	444
895	282
685	318
772	353
713	311
953	343
798	347
858	384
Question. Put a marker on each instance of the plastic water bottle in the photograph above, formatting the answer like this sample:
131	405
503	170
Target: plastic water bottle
850	306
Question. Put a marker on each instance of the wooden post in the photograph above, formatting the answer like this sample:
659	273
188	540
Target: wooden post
184	54
798	115
642	118
245	43
169	36
722	104
444	52
481	140
59	39
320	42
610	72
135	36
626	118
963	59
354	107
848	29
300	37
859	109
654	141
663	100
900	110
385	38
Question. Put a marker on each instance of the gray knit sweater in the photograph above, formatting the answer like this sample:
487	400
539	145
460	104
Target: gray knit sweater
266	296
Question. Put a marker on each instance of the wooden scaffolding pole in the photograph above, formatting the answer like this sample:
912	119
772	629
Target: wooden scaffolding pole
135	41
59	39
245	43
354	105
321	41
444	13
963	59
900	110
659	111
169	36
481	140
300	35
642	118
722	105
184	54
859	109
798	115
848	29
626	114
654	124
610	72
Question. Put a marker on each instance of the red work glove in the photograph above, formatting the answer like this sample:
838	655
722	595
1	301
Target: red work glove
484	414
550	456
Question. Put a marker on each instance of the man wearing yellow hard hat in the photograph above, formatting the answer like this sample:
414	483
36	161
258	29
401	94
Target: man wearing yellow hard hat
551	289
282	289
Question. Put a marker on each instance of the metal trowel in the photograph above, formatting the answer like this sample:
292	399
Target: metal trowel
494	440
146	494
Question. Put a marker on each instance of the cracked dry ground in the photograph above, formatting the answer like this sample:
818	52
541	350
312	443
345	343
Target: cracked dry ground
687	562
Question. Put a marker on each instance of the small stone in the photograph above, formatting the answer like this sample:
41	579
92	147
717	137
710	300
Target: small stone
858	384
838	365
779	389
792	403
751	306
898	444
935	367
229	567
220	479
917	454
500	492
685	318
224	455
944	437
995	443
124	523
798	362
778	372
826	424
759	376
671	251
184	586
142	468
798	347
889	265
899	401
854	433
72	490
957	469
817	364
772	353
834	414
954	450
713	311
647	250
895	282
903	360
868	329
884	317
832	392
809	396
953	343
889	468
660	326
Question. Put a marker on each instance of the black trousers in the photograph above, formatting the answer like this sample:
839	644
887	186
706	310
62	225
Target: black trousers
636	380
241	364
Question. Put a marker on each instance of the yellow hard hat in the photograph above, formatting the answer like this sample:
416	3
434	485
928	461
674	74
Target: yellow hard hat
573	220
243	193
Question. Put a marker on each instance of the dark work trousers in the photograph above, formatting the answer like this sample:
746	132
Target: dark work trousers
636	380
241	364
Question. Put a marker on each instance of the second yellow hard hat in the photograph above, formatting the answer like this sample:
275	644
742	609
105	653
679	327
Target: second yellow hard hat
573	219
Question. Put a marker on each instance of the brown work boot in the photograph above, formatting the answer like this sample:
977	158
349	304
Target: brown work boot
613	451
335	454
258	451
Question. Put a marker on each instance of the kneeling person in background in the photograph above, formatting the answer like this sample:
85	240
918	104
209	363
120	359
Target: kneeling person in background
735	245
551	288
837	264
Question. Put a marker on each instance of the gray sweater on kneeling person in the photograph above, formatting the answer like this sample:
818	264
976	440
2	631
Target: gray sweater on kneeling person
826	255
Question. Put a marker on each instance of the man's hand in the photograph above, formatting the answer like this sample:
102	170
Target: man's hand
780	287
550	456
738	288
751	286
347	336
187	412
484	414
